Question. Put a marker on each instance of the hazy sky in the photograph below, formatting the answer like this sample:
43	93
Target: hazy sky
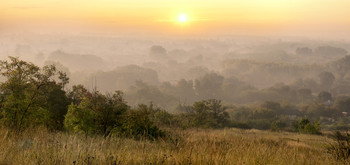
204	16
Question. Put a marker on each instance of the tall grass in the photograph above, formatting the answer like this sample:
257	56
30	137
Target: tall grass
227	146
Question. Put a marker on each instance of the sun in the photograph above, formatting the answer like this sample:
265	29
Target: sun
182	18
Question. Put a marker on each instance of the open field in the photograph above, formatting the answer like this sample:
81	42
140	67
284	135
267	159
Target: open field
226	146
186	82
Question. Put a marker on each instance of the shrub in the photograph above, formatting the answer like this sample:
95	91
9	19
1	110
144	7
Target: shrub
305	126
96	113
208	114
137	124
162	118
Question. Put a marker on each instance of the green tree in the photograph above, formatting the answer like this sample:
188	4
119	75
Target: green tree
159	116
103	112
78	93
138	124
80	118
110	111
56	103
305	126
209	113
24	94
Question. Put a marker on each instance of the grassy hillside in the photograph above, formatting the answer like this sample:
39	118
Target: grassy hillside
196	146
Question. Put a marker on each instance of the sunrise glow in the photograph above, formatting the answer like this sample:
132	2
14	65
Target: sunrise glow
182	18
254	16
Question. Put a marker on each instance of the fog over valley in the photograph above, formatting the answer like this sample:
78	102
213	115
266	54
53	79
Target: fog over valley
171	71
89	82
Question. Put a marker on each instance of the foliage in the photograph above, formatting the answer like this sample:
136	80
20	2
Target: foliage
137	124
161	117
305	126
79	118
95	113
209	113
56	104
30	94
109	114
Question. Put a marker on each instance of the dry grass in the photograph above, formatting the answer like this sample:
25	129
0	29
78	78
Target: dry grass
229	146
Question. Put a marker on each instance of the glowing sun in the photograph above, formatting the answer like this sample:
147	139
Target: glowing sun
182	18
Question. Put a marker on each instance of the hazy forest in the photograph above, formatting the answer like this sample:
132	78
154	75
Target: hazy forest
95	99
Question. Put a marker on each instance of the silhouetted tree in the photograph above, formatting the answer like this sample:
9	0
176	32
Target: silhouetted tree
158	52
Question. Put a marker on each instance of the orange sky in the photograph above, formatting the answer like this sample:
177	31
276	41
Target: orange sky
205	16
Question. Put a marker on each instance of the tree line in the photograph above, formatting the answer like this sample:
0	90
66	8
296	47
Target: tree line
31	96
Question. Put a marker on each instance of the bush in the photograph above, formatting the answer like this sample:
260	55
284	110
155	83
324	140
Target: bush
208	114
137	124
96	113
305	126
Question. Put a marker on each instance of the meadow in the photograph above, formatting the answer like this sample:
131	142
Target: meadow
191	146
41	123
